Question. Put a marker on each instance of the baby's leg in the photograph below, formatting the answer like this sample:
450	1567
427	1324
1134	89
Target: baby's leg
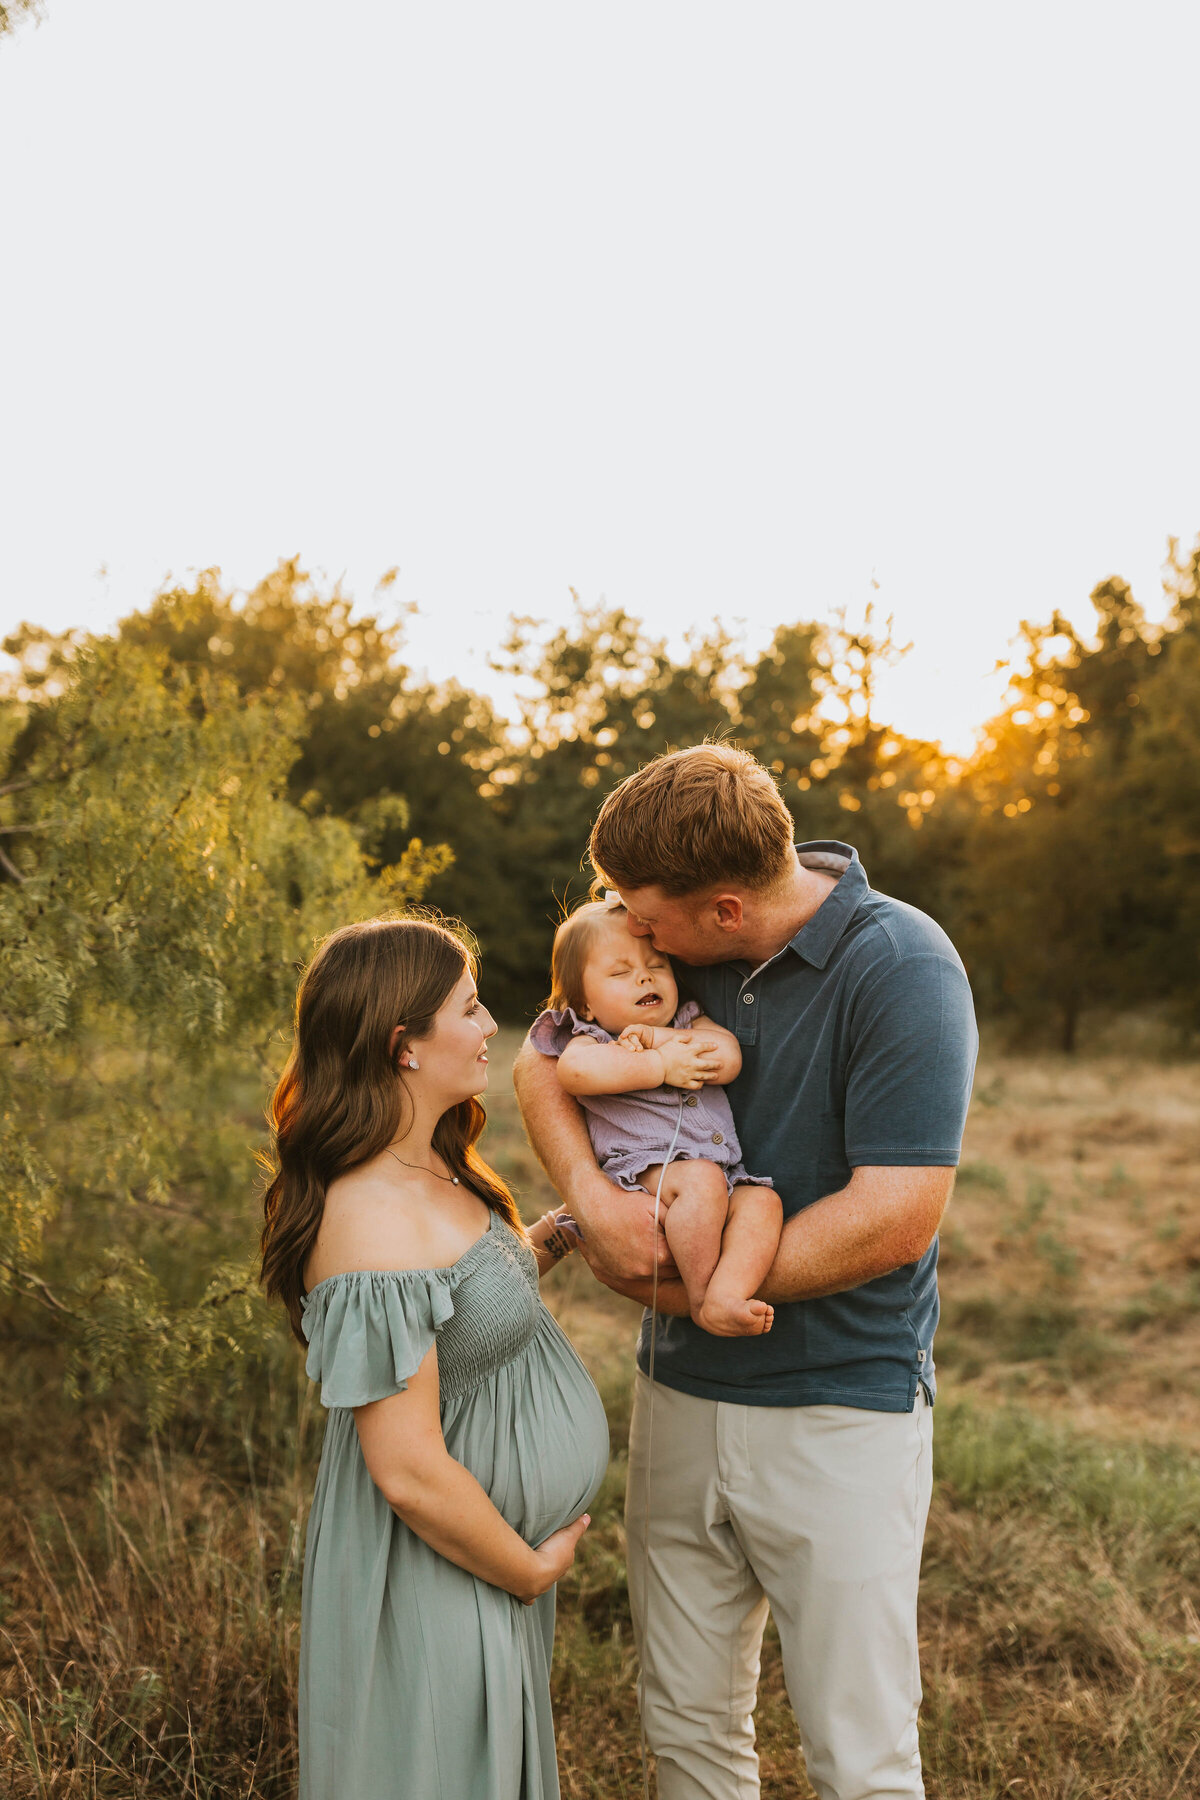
695	1203
748	1248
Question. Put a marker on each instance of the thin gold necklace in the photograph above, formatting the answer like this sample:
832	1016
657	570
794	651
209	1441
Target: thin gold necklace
453	1179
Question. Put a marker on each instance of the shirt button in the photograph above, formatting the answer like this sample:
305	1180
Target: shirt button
747	999
690	1101
718	1137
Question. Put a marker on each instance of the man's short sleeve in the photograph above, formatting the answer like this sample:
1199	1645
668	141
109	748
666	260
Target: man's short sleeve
910	1066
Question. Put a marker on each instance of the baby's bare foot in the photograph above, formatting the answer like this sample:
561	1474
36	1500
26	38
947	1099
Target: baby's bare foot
732	1317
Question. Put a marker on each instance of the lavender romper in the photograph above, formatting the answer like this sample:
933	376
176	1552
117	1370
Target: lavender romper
631	1132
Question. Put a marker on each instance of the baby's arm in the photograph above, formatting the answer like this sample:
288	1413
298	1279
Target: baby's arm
725	1053
589	1067
729	1051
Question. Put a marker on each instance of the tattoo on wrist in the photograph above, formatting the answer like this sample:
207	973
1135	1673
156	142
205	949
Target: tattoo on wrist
557	1243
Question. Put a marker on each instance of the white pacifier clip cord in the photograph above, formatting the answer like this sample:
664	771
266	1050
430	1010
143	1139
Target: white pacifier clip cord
649	1452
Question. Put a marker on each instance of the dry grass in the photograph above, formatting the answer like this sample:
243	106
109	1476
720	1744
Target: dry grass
149	1590
1071	1256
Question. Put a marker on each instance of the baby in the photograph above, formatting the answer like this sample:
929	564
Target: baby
640	1065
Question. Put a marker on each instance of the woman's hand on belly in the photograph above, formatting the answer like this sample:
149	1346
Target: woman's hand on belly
441	1501
554	1558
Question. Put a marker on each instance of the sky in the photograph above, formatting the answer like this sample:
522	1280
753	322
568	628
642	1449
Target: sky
703	311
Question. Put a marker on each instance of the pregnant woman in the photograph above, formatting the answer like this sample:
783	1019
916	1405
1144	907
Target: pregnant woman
464	1437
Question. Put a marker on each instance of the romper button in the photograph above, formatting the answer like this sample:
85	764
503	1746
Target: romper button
747	999
690	1101
718	1138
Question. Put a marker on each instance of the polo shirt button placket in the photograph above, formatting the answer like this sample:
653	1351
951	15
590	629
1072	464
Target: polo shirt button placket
747	1029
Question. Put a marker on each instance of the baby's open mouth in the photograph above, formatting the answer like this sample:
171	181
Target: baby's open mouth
650	1000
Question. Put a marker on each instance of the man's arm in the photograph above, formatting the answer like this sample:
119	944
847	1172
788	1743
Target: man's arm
619	1227
883	1220
907	1087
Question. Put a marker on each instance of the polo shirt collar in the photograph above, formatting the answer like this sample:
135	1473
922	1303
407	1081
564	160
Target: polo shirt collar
816	940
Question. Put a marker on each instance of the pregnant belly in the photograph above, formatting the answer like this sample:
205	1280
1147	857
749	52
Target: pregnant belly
534	1435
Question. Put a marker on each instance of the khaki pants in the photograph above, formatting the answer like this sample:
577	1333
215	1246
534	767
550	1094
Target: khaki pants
817	1512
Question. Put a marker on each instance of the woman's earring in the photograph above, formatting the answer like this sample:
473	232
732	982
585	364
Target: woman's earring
411	1063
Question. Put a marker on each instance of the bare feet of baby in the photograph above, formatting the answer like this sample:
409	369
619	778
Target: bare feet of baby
731	1317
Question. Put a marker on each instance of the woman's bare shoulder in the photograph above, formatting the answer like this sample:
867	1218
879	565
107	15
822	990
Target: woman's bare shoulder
370	1224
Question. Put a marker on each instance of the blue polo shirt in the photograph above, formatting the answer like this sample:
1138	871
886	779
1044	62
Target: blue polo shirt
858	1048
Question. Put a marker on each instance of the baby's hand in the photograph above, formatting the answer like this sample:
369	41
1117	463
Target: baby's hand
637	1037
688	1060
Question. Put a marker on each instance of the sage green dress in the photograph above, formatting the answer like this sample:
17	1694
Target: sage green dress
417	1680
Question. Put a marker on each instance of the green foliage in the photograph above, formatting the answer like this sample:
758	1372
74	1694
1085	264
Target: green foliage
13	11
1079	887
161	893
391	754
1062	857
186	806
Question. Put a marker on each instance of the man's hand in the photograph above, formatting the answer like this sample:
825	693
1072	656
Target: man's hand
620	1242
671	1296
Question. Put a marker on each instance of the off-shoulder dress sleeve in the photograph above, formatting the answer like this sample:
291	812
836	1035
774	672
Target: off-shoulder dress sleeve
551	1032
369	1331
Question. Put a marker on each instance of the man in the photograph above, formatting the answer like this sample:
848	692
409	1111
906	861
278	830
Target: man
791	1470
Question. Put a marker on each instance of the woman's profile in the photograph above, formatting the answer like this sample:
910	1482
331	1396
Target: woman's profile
464	1438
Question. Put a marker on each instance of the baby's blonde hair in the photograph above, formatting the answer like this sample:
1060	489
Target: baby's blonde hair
572	946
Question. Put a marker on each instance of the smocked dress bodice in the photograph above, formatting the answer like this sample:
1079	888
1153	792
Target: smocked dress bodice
483	1310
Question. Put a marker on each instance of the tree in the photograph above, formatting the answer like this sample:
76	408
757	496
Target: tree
597	698
160	894
1061	856
1062	870
1161	790
13	11
394	756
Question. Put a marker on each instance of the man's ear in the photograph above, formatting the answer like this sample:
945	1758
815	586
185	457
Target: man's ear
727	909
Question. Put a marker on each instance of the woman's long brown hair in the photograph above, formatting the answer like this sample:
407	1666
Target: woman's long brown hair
341	1096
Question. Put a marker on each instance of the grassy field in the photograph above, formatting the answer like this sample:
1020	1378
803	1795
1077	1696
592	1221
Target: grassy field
149	1589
